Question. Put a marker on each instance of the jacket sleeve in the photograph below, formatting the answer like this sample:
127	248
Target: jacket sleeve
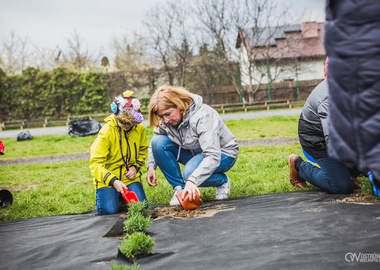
99	152
143	151
207	129
323	111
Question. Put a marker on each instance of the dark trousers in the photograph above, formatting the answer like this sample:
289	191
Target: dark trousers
332	176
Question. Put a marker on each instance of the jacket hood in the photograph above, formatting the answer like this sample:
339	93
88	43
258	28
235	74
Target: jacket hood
111	121
194	107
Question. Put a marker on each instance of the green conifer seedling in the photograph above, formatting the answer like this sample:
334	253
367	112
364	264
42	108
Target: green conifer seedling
115	266
138	208
136	244
137	223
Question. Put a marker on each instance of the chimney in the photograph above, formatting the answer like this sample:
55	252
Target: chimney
309	29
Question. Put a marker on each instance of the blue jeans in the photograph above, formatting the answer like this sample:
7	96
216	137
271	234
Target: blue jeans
333	176
165	154
108	199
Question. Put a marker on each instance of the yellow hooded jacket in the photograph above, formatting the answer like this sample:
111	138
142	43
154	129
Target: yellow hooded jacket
106	162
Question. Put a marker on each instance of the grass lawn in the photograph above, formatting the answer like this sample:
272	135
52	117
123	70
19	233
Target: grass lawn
275	126
65	188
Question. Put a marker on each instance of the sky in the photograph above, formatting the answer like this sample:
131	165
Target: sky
50	23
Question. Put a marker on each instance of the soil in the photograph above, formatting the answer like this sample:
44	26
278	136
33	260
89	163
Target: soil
359	198
178	212
205	210
45	159
86	156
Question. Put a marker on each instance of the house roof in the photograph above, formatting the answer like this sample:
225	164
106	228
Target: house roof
304	39
268	35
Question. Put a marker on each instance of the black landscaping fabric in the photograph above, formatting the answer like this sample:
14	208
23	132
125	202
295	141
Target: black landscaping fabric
294	230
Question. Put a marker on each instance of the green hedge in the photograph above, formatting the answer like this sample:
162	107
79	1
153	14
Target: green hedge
62	92
55	93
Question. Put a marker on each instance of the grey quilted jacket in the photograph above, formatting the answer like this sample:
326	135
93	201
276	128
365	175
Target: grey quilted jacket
202	131
352	43
313	128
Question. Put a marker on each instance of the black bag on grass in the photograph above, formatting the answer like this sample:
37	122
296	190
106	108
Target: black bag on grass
84	127
24	135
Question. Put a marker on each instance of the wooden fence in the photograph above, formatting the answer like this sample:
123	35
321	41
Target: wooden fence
258	106
47	122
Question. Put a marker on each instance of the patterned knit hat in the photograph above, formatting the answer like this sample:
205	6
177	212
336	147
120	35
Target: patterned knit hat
127	104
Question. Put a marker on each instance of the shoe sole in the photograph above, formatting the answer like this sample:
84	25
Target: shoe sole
300	183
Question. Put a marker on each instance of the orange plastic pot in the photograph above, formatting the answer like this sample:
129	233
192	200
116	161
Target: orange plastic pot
187	204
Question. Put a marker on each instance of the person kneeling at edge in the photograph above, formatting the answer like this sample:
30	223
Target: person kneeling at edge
189	132
332	176
118	155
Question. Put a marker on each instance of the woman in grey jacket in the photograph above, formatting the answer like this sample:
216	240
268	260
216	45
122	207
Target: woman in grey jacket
189	132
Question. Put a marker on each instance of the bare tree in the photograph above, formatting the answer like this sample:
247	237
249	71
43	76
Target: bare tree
159	25
182	37
14	53
169	36
45	59
129	55
77	56
214	22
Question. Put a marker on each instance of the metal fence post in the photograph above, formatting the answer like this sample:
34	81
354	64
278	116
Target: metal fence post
298	93
267	64
211	85
239	81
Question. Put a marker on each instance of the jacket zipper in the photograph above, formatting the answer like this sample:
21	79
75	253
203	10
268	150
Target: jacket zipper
135	151
128	147
180	141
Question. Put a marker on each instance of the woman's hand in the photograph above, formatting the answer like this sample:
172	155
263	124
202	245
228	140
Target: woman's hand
131	173
118	185
192	189
151	177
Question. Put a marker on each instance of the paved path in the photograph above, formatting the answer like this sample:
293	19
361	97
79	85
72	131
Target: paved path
225	117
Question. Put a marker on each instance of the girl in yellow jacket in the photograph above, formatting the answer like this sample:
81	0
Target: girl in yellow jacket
118	154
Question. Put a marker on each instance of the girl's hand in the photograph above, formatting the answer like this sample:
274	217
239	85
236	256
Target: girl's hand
118	185
131	173
192	189
151	177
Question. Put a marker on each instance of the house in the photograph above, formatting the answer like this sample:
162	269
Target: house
283	53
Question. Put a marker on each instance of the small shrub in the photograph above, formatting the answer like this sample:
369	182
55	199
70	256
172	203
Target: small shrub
136	244
115	266
138	208
137	223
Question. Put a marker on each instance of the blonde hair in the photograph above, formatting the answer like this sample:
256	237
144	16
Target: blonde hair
167	97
